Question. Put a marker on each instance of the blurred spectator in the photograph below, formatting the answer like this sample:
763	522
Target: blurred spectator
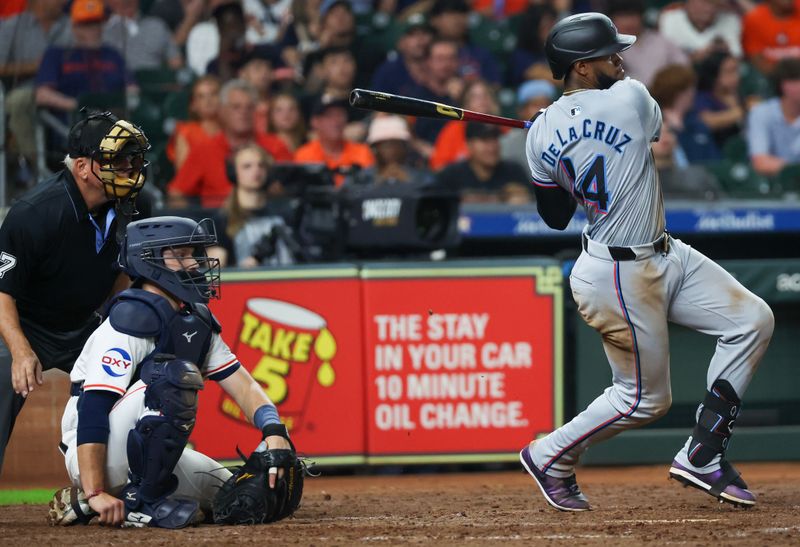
773	126
499	9
180	16
674	88
144	41
232	50
250	233
484	177
652	51
286	120
12	7
771	33
390	140
338	29
528	61
337	78
451	143
718	102
700	27
679	180
266	20
532	96
254	66
302	35
203	174
442	85
23	40
450	19
405	68
328	121
88	66
24	37
203	123
224	32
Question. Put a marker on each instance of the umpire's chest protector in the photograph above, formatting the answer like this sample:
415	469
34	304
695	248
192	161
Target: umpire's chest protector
184	333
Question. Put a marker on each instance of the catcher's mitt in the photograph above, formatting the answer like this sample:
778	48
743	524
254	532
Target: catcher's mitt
246	498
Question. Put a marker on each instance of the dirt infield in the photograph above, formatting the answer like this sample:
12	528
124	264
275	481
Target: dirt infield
633	506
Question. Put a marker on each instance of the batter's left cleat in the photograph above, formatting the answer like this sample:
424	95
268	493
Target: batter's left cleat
725	483
69	507
563	494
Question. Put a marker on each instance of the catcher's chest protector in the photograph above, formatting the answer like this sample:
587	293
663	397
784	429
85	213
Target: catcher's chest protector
185	333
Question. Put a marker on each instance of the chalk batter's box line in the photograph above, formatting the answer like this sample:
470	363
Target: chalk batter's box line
549	282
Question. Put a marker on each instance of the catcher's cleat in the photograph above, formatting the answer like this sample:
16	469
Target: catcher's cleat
563	494
69	507
725	483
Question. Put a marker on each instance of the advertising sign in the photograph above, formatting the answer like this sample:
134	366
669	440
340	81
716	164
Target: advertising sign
463	362
298	334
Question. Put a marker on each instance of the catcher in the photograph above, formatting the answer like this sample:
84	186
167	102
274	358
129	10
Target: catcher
134	400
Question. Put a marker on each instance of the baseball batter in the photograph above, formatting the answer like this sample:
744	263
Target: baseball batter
135	388
592	147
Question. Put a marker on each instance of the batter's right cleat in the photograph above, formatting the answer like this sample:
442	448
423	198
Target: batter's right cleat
172	513
563	494
69	507
725	483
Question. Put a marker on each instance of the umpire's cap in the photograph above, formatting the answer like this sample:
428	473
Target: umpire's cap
583	36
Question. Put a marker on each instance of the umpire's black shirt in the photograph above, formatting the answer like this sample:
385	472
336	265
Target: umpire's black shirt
56	259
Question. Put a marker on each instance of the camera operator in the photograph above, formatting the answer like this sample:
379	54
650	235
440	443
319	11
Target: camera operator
250	233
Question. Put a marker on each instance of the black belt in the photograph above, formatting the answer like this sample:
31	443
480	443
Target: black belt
75	389
626	253
63	448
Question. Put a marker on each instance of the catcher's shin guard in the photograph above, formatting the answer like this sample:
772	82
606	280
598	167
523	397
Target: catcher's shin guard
157	442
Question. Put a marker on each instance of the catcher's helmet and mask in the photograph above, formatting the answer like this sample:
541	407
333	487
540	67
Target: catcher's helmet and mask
142	256
580	37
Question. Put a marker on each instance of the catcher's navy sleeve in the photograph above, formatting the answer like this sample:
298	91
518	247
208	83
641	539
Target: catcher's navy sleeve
93	410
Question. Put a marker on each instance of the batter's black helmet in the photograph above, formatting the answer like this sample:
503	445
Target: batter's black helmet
583	36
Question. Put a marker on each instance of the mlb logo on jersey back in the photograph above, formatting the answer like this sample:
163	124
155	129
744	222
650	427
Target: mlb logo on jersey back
116	362
574	111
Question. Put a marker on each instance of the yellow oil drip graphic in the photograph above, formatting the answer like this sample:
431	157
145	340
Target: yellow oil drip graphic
325	350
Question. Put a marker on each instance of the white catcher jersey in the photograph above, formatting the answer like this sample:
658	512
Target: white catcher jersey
595	143
109	358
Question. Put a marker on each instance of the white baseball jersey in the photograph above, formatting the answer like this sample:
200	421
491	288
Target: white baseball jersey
109	359
595	143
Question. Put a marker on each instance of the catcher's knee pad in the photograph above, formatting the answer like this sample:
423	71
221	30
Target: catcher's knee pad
157	442
715	420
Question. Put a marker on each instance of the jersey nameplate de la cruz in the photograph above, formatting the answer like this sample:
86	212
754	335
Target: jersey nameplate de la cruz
595	143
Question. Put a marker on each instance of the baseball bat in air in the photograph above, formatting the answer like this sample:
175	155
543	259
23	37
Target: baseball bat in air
409	106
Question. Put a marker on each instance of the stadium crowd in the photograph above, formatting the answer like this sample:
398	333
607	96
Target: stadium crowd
207	79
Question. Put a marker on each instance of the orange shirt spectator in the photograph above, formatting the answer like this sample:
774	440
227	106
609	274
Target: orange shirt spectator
328	120
450	146
451	142
203	123
203	173
771	32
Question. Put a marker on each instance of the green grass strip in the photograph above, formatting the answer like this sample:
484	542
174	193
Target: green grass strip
35	496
